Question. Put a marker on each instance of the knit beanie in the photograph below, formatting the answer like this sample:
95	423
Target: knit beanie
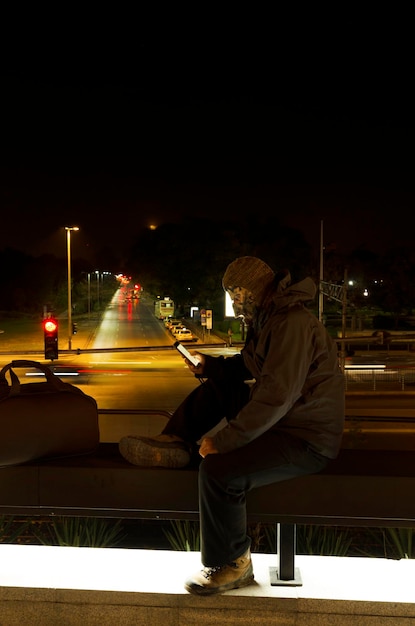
250	273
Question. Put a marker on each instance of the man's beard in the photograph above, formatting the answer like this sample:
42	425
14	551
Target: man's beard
244	310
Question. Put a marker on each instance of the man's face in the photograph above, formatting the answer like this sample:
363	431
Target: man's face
242	302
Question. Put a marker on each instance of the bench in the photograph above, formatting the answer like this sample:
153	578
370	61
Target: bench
367	488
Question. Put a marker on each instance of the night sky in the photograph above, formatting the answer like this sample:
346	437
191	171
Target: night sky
116	132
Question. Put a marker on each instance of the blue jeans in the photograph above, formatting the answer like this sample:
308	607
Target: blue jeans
225	479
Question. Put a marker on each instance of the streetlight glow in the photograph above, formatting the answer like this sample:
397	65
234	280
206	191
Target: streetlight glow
68	247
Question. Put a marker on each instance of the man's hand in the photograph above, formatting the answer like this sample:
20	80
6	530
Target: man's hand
207	447
196	369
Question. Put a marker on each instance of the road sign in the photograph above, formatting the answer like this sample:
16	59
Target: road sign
209	319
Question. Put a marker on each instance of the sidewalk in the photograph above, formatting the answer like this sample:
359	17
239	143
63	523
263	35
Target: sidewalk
86	330
207	336
30	335
50	585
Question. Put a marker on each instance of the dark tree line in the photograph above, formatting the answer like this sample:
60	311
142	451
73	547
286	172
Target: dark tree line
27	283
186	260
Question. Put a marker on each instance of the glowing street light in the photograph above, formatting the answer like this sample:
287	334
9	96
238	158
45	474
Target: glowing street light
68	242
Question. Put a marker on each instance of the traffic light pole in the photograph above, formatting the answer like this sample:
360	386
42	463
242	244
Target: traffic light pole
68	241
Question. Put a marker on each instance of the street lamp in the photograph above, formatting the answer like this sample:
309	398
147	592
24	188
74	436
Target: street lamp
97	273
68	242
89	294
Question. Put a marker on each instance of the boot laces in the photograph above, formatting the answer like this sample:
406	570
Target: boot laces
208	572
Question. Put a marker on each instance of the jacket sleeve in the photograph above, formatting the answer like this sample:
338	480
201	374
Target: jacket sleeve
283	359
231	367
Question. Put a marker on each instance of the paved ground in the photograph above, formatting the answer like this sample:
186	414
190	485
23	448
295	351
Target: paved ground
42	585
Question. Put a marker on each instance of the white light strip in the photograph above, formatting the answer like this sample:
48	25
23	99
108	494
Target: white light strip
365	367
56	374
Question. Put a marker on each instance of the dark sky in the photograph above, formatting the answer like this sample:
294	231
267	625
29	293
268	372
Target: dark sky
305	121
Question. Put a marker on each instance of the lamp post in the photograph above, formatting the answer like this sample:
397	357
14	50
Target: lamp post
97	274
89	294
320	288
68	246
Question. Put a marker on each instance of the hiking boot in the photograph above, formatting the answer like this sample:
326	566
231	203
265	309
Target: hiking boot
159	451
223	577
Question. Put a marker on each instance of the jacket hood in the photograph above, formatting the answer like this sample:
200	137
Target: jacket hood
287	295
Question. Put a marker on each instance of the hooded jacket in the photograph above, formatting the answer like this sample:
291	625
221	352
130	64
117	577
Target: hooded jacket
299	387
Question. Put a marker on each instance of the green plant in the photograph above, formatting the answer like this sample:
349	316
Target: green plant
317	540
258	533
10	530
184	535
391	543
323	540
401	542
80	531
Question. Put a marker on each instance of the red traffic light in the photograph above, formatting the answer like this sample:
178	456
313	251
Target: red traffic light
50	332
50	326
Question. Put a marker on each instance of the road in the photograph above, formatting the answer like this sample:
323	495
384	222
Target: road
129	364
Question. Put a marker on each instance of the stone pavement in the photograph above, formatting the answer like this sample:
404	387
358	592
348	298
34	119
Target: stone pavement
57	586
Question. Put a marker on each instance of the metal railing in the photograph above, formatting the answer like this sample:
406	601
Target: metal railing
379	378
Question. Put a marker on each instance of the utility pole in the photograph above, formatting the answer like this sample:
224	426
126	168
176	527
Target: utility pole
320	286
339	293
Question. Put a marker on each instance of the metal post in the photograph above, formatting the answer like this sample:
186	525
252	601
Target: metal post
320	290
68	247
89	294
286	574
97	273
344	320
68	240
286	550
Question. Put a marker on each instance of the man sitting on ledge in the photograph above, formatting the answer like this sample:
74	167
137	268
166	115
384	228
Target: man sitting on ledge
283	400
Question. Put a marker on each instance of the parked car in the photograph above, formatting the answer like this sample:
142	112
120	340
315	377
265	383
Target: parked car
168	320
184	334
176	329
173	324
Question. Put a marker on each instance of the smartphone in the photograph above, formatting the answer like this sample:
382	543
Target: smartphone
180	347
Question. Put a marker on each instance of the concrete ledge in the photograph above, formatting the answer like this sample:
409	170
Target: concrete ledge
48	585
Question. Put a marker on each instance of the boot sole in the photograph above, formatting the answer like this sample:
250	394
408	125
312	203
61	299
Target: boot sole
145	453
206	591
